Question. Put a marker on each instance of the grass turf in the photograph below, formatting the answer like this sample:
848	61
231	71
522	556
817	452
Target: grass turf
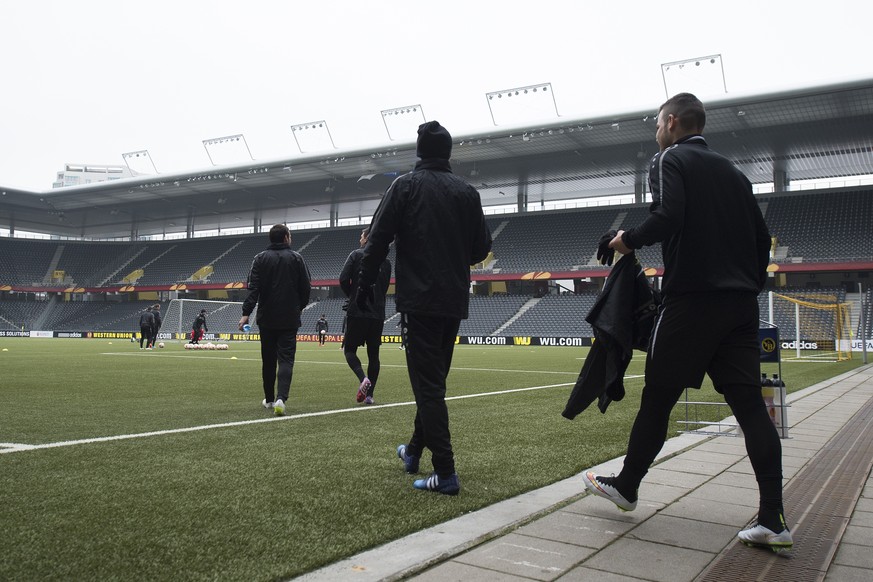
265	498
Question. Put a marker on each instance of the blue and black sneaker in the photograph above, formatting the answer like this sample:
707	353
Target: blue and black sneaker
410	462
446	485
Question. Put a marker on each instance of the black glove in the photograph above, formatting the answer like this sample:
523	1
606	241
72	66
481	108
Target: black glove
605	255
364	296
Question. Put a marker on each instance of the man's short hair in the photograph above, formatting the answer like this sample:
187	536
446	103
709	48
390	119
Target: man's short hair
278	233
156	306
687	109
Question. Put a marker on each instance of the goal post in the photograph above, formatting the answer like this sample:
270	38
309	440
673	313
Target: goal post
222	317
815	324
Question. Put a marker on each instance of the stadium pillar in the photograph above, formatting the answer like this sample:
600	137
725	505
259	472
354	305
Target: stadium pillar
639	188
780	180
334	215
189	228
522	191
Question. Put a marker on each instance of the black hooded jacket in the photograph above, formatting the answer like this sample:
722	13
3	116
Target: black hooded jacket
440	231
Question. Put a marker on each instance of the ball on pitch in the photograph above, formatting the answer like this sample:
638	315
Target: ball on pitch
160	344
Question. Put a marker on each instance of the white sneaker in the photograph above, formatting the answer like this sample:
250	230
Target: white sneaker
605	487
266	404
279	408
767	538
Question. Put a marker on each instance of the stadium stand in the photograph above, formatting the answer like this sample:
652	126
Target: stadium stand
89	264
554	241
487	314
16	314
555	316
25	262
823	227
812	227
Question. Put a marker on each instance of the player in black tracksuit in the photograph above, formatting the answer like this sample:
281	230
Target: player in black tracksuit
715	246
278	285
198	327
439	229
364	326
146	323
321	329
156	312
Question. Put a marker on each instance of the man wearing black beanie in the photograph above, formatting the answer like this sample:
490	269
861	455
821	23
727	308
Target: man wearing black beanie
437	223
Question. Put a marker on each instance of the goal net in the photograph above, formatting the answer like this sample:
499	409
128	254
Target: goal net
222	317
812	324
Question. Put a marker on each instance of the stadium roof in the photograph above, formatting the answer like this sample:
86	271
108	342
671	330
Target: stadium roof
812	133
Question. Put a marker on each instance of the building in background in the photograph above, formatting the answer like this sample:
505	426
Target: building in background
77	174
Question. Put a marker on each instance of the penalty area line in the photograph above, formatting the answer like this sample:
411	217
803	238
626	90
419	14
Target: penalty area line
18	447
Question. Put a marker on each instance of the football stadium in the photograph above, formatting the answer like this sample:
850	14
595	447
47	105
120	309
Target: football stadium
120	462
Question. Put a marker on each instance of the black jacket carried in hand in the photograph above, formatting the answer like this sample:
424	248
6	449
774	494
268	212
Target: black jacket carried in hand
436	219
622	320
278	284
348	281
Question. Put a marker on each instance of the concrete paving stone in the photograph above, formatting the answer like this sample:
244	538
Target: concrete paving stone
577	529
722	458
799	452
650	561
685	533
682	464
864	504
811	432
818	440
838	573
726	494
586	574
789	471
526	556
743	467
735	480
858	535
724	444
711	511
854	555
598	507
457	572
795	462
862	518
793	444
663	494
662	476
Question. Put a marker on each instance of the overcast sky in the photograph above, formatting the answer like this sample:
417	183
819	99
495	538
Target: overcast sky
85	81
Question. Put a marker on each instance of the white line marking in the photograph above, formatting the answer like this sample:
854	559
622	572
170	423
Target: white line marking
16	447
303	361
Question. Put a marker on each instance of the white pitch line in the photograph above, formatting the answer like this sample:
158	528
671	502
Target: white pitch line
18	447
303	361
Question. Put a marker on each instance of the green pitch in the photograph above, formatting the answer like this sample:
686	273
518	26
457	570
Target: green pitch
137	465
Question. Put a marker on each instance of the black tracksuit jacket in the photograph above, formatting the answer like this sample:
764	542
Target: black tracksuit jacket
703	212
278	284
348	281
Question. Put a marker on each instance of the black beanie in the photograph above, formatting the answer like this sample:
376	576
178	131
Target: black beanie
434	141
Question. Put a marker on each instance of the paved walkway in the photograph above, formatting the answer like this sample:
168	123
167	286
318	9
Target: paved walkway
696	497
